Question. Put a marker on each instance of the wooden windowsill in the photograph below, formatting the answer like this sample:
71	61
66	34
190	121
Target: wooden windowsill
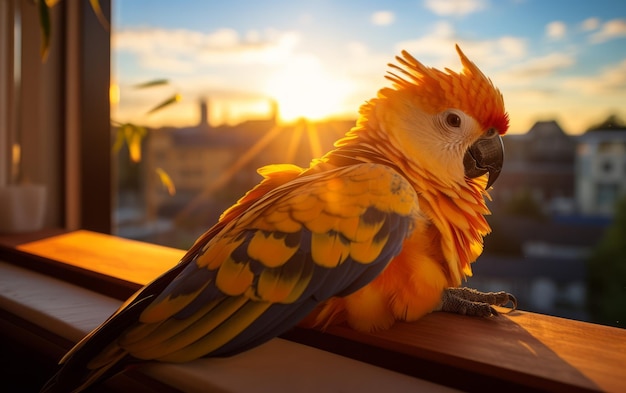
517	351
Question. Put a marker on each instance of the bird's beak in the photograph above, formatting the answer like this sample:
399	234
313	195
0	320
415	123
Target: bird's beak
486	155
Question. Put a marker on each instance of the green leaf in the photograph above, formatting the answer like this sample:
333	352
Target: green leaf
95	5
152	83
134	148
119	140
45	27
166	180
134	135
173	99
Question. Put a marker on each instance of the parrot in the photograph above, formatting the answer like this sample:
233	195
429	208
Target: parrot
382	228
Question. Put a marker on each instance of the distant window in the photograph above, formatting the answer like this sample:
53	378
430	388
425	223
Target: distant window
583	149
612	147
607	167
606	194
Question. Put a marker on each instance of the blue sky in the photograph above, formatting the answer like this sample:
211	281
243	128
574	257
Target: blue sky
557	59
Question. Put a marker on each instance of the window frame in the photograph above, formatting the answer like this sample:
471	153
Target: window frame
88	140
60	111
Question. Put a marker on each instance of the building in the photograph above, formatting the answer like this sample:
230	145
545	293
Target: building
213	166
545	266
600	170
539	163
198	159
542	259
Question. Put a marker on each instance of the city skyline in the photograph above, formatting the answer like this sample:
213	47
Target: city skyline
551	60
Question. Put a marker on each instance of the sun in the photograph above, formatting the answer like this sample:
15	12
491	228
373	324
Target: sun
303	89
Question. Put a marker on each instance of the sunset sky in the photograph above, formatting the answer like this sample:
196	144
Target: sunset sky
557	59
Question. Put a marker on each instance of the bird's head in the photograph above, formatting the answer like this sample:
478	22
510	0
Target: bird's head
444	122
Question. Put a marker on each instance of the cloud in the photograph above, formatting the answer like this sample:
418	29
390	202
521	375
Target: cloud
540	66
439	42
439	47
556	30
454	7
182	50
615	28
612	79
590	24
383	18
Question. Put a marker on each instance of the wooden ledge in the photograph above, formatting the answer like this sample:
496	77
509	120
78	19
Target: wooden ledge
42	317
518	351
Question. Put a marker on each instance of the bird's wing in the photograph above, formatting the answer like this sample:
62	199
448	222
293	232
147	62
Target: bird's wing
318	236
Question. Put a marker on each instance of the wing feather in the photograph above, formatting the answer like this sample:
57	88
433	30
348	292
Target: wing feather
147	349
272	249
320	235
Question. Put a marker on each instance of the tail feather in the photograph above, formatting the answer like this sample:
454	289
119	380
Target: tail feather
97	356
73	377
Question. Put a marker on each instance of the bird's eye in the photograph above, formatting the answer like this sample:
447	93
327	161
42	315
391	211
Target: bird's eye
491	132
453	120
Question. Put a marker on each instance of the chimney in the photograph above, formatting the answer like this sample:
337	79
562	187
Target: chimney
204	114
274	111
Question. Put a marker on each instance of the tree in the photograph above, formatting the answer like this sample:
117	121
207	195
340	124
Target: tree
607	273
522	204
613	122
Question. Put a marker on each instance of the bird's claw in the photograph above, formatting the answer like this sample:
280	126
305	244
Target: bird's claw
468	301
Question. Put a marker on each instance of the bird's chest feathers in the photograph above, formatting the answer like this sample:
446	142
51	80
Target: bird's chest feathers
458	226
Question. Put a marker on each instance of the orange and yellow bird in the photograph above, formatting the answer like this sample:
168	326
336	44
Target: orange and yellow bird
382	228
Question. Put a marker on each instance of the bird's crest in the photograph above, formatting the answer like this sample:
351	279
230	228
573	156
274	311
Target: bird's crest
470	90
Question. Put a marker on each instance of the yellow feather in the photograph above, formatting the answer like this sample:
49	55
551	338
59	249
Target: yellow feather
202	327
312	210
157	312
303	201
222	334
277	221
299	199
327	250
277	215
288	171
362	232
322	224
432	281
219	250
349	227
288	226
346	208
359	185
369	310
138	332
270	250
276	288
145	336
451	212
336	184
233	278
400	201
298	288
466	206
367	252
367	231
331	197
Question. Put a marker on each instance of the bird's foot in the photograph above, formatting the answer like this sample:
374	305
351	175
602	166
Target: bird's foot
468	301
